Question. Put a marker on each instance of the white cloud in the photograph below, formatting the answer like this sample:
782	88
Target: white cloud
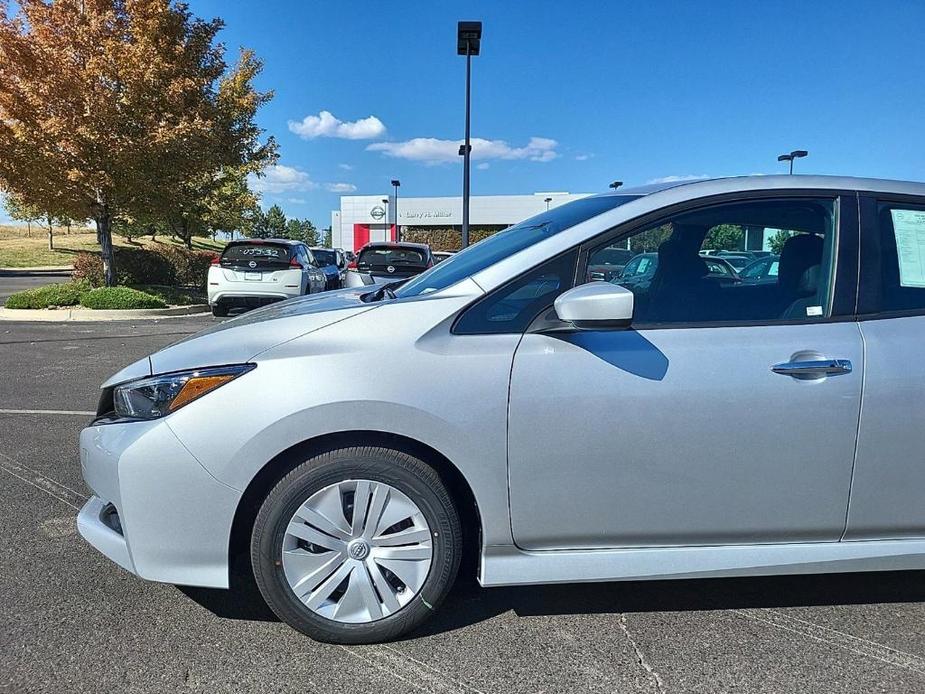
340	187
296	201
676	179
431	150
583	157
484	165
325	124
345	167
281	179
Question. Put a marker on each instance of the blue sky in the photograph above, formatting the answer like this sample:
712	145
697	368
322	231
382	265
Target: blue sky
569	96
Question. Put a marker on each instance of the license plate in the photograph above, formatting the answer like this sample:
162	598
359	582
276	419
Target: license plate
256	276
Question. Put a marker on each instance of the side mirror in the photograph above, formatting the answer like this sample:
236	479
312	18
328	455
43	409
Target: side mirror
596	306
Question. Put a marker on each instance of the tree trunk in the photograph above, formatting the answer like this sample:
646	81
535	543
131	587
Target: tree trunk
29	228
187	234
51	235
104	233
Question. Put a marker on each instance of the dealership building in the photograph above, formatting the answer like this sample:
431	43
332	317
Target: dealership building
365	218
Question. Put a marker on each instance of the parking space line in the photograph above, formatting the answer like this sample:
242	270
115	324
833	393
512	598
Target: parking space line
439	673
838	639
384	669
43	483
82	413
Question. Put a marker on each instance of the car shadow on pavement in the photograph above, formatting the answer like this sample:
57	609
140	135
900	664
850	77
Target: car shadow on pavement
469	604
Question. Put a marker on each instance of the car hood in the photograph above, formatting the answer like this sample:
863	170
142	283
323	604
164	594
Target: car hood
241	339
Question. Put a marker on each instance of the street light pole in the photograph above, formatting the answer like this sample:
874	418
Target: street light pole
385	205
547	201
395	184
795	154
468	43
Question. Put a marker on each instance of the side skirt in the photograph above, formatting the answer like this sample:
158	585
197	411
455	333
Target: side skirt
508	565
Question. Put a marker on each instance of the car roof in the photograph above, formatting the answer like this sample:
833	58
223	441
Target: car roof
322	248
284	242
397	244
730	184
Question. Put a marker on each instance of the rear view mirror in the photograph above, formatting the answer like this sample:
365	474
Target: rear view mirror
596	306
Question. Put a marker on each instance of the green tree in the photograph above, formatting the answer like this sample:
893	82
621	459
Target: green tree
777	241
275	220
112	108
725	237
650	239
19	211
302	230
328	238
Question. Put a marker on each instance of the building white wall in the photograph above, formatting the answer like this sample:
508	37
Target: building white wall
437	212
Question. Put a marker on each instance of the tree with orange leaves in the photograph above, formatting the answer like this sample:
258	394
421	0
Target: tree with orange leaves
111	108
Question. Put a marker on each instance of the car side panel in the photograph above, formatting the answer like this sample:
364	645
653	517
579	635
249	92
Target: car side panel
397	370
888	491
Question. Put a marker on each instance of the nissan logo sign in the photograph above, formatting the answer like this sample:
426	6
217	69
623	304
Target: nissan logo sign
252	264
390	268
377	213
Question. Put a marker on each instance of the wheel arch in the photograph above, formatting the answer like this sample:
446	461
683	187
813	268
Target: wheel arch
282	463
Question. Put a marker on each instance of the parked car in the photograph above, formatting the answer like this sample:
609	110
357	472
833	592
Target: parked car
736	260
440	256
394	260
611	262
762	271
256	272
577	441
639	272
327	258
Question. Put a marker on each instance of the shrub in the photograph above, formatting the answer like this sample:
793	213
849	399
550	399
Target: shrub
119	298
190	267
173	295
89	267
66	294
165	265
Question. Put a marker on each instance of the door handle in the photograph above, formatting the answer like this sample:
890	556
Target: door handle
815	368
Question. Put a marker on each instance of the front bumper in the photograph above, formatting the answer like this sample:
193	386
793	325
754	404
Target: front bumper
175	517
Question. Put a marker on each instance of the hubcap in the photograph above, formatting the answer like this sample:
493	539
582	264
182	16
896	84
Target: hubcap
357	551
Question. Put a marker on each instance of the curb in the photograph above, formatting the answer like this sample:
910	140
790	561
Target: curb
44	270
85	314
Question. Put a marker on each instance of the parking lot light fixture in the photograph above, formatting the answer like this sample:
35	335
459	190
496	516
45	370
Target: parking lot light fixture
615	184
547	201
396	184
795	154
468	43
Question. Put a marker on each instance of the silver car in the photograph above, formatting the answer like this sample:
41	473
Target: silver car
356	445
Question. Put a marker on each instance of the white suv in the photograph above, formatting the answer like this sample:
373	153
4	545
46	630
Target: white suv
255	272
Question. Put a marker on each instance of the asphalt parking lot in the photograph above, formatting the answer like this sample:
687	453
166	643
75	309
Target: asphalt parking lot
70	620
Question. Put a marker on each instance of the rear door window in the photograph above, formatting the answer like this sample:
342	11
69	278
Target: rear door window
253	256
901	236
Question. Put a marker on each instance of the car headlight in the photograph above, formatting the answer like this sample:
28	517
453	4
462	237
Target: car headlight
157	396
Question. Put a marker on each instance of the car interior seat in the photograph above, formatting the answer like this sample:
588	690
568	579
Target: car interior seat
799	273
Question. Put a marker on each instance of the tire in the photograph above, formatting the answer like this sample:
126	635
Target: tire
219	311
325	477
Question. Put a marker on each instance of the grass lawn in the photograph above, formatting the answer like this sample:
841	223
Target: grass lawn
17	249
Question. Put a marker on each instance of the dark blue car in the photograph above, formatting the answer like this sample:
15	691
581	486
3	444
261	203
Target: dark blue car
327	259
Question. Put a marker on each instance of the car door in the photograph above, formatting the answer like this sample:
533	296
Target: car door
726	414
889	478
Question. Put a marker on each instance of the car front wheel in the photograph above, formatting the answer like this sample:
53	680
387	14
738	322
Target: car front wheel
357	545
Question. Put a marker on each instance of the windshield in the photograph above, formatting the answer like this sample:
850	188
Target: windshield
258	253
380	257
325	257
508	242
